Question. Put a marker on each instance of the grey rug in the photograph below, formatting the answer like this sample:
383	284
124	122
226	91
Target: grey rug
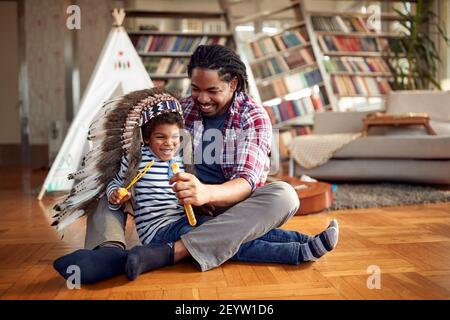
355	196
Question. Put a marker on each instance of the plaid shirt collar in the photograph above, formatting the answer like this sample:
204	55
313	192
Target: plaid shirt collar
251	160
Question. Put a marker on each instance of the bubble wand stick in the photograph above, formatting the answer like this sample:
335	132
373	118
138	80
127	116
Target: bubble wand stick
187	207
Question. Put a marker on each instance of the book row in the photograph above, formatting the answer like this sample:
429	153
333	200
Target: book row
295	108
356	85
291	83
268	45
279	64
155	65
341	24
181	86
150	43
353	44
356	64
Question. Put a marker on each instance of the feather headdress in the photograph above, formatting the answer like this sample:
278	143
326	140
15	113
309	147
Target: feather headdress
115	132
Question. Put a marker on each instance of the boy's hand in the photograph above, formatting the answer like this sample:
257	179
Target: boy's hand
189	190
115	198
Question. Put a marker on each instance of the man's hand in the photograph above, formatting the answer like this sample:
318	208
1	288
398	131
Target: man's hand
189	190
115	198
205	210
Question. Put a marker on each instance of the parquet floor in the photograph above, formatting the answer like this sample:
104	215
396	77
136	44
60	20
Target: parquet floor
409	245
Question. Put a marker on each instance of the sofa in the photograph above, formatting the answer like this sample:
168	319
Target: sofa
394	154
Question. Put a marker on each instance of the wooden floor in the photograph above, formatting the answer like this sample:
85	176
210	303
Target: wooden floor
410	245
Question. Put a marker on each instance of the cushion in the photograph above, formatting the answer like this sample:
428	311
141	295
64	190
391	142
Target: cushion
398	147
435	103
421	171
338	122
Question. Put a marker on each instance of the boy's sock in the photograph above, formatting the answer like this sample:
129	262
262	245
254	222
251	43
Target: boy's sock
145	258
334	224
95	265
320	244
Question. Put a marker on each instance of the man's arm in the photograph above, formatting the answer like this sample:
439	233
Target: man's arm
229	193
191	191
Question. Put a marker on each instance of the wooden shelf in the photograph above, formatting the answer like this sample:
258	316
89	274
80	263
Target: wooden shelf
285	73
304	120
399	1
138	13
357	54
359	34
266	35
165	54
283	97
361	95
161	70
179	33
382	15
266	14
360	74
278	53
168	76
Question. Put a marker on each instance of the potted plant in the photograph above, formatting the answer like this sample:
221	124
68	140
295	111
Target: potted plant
414	56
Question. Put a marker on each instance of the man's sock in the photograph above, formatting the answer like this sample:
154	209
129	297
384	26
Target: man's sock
150	257
320	244
95	265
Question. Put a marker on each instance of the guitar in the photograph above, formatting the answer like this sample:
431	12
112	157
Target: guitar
314	196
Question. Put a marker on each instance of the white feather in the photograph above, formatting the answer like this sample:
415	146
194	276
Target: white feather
86	183
69	219
85	172
80	198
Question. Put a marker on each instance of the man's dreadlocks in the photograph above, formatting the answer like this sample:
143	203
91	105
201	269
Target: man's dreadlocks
224	60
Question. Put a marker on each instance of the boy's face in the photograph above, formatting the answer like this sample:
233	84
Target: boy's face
164	140
212	95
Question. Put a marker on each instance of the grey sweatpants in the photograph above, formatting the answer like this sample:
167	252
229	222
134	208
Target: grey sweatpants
218	239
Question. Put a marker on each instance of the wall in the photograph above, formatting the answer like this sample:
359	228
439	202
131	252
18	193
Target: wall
9	82
44	44
96	22
44	28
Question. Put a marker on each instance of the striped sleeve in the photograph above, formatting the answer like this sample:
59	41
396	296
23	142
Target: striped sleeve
116	183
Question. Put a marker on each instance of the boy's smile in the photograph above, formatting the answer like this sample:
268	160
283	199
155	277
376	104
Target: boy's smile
164	140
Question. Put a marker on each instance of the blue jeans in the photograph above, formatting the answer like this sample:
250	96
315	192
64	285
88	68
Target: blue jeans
276	246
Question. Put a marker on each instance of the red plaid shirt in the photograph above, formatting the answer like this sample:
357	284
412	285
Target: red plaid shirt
247	135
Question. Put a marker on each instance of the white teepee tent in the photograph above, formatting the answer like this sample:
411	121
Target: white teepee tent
119	70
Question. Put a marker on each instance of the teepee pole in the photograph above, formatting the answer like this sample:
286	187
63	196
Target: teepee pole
119	16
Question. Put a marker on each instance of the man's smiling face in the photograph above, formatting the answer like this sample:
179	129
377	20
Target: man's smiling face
211	94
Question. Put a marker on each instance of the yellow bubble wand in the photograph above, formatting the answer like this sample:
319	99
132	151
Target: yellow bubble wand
187	207
124	191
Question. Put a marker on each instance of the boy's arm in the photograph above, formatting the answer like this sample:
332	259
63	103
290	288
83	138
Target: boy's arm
116	183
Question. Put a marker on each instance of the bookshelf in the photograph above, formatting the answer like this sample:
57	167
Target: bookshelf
286	77
355	49
166	53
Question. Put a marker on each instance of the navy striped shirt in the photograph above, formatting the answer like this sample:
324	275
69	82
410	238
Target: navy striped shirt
155	204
